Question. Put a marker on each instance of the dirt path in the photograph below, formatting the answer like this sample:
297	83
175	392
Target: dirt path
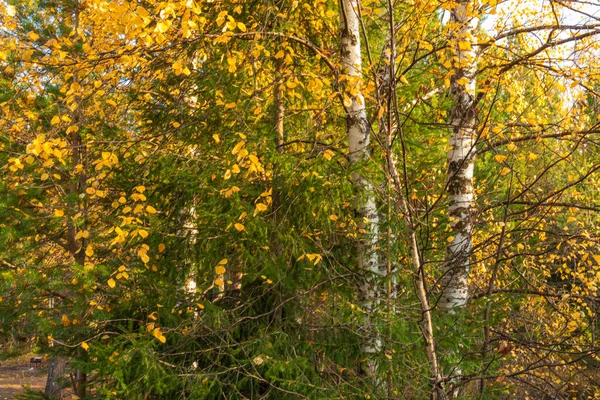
13	379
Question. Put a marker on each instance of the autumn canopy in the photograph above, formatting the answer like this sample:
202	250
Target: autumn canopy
283	199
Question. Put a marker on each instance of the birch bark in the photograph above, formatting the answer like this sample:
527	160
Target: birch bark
461	157
357	127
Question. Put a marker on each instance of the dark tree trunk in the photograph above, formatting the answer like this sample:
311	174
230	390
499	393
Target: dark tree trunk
56	377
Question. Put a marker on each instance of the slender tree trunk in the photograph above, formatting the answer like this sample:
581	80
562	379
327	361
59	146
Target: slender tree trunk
426	324
279	105
371	291
77	189
387	85
461	160
56	373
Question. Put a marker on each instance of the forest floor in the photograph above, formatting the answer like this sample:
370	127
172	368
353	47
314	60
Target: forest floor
16	375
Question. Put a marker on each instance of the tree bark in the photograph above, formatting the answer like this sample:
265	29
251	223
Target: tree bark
56	376
357	127
278	247
461	157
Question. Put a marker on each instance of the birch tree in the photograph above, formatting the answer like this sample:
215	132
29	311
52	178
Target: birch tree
461	158
357	127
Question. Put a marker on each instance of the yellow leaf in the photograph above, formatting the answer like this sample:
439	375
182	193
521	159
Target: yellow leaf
280	54
85	346
315	258
532	156
159	335
220	270
223	262
261	207
241	26
176	67
450	239
11	11
347	100
505	171
333	217
236	149
161	247
140	188
55	120
216	138
403	79
59	213
239	227
219	282
464	45
163	26
328	154
33	36
500	157
44	176
175	124
511	147
89	251
426	45
151	209
143	233
111	282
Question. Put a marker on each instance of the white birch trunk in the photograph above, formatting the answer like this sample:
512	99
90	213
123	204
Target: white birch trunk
461	160
189	230
358	139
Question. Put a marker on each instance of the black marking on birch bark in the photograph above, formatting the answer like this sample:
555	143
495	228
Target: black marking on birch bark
459	184
344	52
355	118
461	226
